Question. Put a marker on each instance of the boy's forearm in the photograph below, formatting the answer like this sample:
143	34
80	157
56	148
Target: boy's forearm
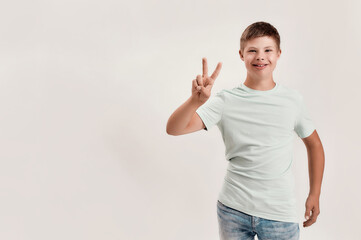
316	164
181	117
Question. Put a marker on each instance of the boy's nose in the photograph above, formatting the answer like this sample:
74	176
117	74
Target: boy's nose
258	58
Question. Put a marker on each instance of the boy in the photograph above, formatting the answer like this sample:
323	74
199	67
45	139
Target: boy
257	120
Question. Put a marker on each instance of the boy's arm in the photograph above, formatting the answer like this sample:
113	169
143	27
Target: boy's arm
316	164
185	119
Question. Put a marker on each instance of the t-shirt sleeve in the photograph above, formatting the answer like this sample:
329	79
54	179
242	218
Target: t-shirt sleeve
211	111
304	125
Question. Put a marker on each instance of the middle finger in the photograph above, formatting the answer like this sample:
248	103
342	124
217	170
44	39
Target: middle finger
205	67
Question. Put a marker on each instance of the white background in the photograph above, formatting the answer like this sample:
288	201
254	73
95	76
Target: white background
86	90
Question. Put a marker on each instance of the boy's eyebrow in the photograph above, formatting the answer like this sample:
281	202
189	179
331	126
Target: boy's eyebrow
264	47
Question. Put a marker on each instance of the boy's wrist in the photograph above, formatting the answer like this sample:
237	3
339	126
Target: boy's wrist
195	102
314	193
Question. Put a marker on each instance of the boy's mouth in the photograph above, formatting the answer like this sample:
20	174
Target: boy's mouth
260	66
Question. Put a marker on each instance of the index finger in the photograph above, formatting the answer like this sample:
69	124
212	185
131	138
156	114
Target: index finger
205	67
216	71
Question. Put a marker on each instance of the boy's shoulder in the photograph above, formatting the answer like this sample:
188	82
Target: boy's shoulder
292	91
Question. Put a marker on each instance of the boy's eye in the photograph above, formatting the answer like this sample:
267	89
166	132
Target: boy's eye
255	50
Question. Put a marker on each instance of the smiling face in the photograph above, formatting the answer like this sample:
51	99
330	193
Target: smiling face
260	51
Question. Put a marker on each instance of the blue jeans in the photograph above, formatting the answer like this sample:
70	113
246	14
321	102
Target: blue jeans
237	225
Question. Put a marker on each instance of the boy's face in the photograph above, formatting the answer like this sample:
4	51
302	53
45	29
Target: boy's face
260	51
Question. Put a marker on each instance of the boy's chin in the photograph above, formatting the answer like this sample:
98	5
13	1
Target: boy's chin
263	71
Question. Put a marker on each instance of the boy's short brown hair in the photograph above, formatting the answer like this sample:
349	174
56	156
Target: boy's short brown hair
260	29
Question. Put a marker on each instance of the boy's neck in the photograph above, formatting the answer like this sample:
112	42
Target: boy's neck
260	84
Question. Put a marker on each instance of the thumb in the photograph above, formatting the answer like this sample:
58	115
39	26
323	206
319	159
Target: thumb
201	89
308	214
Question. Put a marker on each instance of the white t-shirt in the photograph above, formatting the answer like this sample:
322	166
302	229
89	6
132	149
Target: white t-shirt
258	129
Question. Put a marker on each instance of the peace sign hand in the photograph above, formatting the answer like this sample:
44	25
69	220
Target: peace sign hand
202	85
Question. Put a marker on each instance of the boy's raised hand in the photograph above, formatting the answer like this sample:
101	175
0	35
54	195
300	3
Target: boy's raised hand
202	85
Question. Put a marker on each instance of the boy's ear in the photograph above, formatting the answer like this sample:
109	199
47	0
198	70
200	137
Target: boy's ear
240	54
279	53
